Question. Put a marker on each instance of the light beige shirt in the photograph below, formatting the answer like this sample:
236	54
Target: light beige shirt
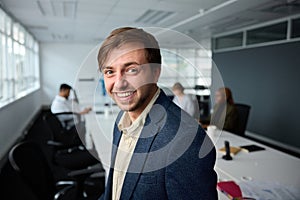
131	132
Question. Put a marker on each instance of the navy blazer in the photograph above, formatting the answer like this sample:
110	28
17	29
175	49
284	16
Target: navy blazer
173	158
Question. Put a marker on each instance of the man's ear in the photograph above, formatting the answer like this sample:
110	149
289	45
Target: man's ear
156	72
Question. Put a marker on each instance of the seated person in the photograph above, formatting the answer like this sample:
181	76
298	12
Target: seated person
186	102
225	114
62	103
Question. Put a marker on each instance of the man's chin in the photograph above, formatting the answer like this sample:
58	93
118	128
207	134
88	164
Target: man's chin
124	107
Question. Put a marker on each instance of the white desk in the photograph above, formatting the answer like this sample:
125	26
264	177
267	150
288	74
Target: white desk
100	133
268	165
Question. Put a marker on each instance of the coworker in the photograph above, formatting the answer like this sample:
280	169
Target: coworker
187	102
62	103
225	114
157	149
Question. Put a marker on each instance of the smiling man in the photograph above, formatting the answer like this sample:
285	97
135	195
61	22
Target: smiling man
159	151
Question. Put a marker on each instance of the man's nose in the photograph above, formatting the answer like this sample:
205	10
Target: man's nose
121	82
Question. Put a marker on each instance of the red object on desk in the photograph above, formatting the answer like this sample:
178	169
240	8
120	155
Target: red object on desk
231	189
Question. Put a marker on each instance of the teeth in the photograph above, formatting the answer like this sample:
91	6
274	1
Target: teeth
124	94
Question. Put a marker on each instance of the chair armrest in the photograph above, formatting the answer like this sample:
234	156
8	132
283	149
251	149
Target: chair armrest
98	175
54	143
66	113
66	192
63	183
70	150
73	114
87	171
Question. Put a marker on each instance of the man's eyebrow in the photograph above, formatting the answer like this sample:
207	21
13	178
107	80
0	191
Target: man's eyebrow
124	65
106	67
130	63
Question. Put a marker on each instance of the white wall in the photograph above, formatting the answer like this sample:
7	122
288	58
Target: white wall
60	63
15	117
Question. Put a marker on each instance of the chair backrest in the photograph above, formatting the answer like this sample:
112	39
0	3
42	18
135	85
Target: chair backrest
28	160
243	111
68	137
54	125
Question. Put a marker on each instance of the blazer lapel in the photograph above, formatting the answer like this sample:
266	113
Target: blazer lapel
116	141
143	146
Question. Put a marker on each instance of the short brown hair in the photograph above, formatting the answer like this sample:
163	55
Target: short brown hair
178	86
121	36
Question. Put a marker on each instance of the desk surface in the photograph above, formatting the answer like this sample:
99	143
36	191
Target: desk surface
268	165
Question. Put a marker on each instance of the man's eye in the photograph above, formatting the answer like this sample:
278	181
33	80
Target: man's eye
132	70
108	72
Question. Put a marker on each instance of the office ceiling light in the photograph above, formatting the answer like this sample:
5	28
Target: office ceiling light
70	9
61	37
42	8
37	27
67	9
154	16
57	8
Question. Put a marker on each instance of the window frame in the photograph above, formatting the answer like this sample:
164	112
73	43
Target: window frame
19	67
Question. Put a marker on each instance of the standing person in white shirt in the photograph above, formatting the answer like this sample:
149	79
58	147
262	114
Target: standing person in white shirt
186	102
62	103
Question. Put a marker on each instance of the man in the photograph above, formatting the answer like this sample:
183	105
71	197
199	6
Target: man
159	152
61	103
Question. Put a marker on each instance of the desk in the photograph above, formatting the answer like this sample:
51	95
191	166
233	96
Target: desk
268	165
99	134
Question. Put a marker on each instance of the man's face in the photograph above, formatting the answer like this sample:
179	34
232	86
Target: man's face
129	79
65	93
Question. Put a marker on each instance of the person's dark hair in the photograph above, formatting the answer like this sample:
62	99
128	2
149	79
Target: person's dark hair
121	36
64	87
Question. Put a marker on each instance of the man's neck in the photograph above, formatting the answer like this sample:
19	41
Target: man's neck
62	96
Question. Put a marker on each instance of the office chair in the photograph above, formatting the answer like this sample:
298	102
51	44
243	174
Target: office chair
28	160
65	137
243	111
69	150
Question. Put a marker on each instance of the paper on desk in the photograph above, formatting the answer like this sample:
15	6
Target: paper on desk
268	190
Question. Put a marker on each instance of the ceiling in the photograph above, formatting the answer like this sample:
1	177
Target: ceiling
90	21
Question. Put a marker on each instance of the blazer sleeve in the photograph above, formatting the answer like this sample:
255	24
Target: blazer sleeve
192	177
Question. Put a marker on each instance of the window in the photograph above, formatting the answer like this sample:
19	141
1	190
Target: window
272	32
267	34
190	67
19	64
2	61
228	41
2	21
295	28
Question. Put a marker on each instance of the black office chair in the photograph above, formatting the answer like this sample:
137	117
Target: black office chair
66	137
243	111
28	160
69	149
